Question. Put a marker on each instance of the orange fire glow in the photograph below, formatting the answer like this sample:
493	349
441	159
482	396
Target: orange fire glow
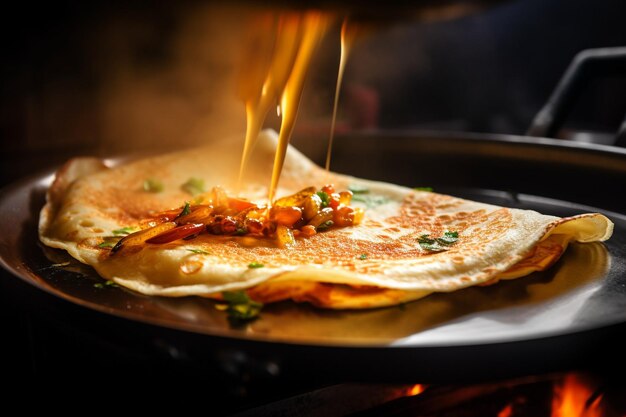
572	398
415	390
506	411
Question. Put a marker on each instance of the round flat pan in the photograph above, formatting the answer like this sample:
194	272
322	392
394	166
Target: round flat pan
540	322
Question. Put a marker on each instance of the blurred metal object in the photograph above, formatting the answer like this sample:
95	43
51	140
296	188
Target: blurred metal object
587	66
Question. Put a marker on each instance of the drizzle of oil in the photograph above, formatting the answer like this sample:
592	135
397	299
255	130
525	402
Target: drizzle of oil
275	69
348	34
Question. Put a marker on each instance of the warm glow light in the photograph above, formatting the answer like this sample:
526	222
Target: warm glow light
415	390
506	411
571	399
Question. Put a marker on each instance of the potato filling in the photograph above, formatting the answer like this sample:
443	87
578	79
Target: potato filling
302	214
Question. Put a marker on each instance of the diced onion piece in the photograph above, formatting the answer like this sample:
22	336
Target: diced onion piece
177	233
219	198
295	200
323	216
308	231
254	226
359	213
286	216
345	198
239	204
311	206
343	216
142	236
284	235
334	201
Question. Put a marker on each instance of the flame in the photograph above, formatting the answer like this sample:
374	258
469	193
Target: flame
507	411
572	398
415	390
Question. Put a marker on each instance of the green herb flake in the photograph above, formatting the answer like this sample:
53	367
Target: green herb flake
240	307
198	251
358	189
324	197
370	200
194	186
107	244
363	256
124	231
429	189
255	265
185	211
105	284
241	231
438	244
325	225
153	185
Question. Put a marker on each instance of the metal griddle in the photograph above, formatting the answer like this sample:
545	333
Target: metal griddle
571	316
541	322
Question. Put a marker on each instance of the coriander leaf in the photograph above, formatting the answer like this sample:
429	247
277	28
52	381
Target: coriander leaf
198	251
438	244
370	200
430	189
324	197
358	189
448	238
107	244
124	231
240	307
185	211
254	265
325	225
106	284
153	185
194	186
363	256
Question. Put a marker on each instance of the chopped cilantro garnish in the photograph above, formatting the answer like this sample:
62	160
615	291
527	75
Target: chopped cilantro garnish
325	225
107	244
106	284
198	251
448	238
124	231
358	189
153	185
254	265
194	186
185	211
430	189
324	197
438	244
370	200
363	256
240	307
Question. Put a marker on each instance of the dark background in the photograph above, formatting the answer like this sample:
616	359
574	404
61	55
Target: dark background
104	78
